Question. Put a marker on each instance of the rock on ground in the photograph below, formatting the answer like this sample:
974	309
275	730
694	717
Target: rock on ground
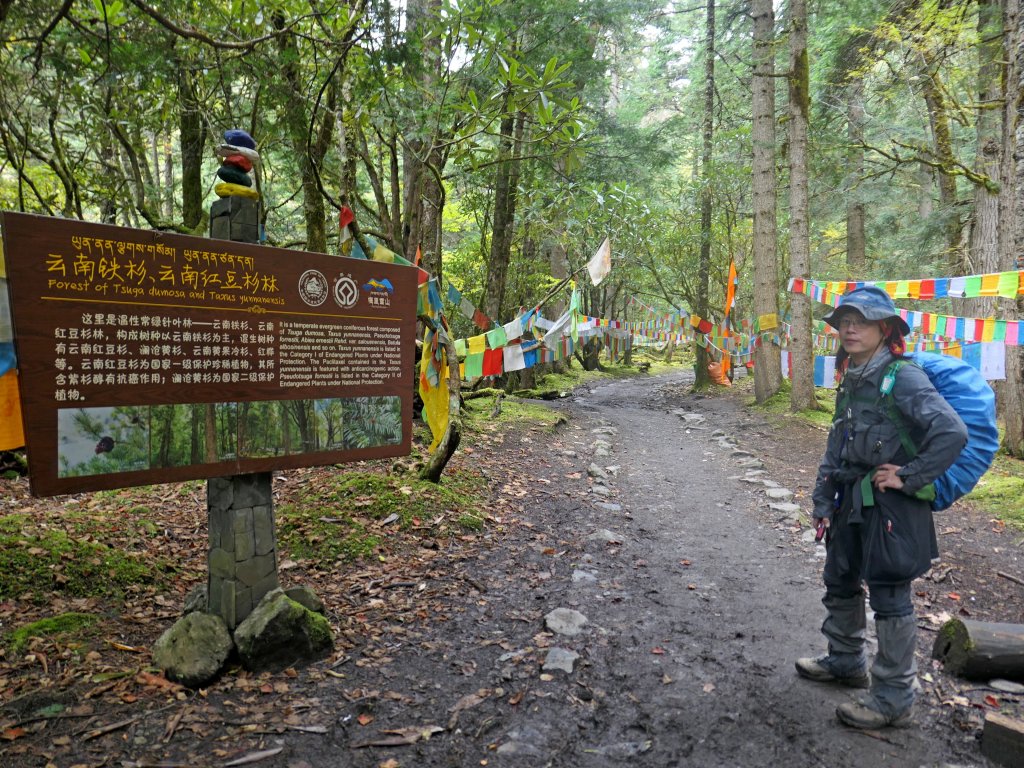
194	649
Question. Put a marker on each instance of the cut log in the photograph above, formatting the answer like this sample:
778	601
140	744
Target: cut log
1002	741
980	650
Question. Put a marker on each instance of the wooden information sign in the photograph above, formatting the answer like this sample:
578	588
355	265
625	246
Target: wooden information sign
149	357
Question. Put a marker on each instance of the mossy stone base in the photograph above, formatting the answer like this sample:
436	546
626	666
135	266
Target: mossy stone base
193	651
280	632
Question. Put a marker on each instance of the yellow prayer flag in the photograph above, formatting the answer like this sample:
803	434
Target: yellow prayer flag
890	288
915	289
380	253
476	344
989	329
767	322
990	284
11	435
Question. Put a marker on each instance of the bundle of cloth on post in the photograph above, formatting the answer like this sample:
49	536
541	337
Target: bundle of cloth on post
237	157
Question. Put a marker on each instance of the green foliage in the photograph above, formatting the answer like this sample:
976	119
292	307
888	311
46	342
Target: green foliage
35	561
62	624
1000	490
779	404
478	418
341	518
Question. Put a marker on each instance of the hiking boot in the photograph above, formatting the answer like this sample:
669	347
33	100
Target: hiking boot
827	669
864	715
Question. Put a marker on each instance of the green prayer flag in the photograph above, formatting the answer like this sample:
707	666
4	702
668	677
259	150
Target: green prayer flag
496	339
972	286
475	366
1008	282
1000	331
460	347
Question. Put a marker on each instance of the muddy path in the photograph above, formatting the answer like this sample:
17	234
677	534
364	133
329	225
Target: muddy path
643	522
697	600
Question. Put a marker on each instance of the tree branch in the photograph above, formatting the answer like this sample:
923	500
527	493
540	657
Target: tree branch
194	34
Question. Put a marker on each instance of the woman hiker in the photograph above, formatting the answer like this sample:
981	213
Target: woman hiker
870	501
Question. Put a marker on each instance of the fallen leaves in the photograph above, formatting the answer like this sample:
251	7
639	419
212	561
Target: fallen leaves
468	701
254	757
400	737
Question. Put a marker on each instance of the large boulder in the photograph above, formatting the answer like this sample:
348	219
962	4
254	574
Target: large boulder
194	649
280	632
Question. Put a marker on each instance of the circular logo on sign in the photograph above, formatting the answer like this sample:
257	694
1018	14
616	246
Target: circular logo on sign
346	292
313	287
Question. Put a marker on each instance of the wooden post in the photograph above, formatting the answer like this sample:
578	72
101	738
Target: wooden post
1002	740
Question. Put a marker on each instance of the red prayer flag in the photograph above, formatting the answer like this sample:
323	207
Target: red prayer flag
480	320
493	362
927	289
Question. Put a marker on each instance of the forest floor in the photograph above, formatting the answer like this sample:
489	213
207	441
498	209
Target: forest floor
623	503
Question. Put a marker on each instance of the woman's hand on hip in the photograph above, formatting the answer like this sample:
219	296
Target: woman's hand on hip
886	477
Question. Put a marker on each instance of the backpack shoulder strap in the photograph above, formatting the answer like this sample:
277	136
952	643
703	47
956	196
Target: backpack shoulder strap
889	405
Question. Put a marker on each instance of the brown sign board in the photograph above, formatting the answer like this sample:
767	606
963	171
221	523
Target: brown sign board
148	357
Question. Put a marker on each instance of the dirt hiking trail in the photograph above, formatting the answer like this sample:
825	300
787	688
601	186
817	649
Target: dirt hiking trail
638	598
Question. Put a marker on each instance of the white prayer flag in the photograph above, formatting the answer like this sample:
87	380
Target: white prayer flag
600	263
558	329
993	360
514	360
514	330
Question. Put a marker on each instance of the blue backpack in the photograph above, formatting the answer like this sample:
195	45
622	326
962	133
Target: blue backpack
972	398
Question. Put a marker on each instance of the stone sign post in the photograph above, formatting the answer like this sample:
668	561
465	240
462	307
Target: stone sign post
242	558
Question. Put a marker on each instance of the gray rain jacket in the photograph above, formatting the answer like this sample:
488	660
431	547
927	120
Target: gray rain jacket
897	532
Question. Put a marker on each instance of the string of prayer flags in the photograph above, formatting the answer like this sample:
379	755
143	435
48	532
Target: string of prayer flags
470	312
951	327
1005	285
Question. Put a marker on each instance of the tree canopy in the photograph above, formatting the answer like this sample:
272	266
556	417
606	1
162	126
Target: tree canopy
504	139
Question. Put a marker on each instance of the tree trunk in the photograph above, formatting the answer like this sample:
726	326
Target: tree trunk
211	433
433	209
509	146
1011	220
801	349
192	142
195	457
704	271
308	146
942	138
767	362
856	241
983	252
980	650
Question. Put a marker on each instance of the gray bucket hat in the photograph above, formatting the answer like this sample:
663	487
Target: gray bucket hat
871	302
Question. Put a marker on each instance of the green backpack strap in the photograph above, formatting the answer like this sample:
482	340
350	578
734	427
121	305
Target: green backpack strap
927	493
889	406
